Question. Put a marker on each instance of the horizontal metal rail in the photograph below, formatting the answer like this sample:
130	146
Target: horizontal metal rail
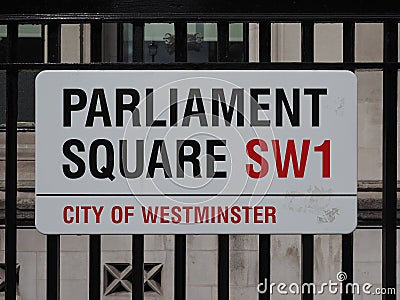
181	12
201	66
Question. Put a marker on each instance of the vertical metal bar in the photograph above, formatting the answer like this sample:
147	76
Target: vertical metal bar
94	267
95	41
223	266
53	267
264	260
180	267
347	239
389	238
95	240
81	43
53	241
347	263
180	42
54	42
307	42
246	42
180	239
138	239
138	40
264	33
348	42
120	42
264	240
307	263
223	239
223	41
137	267
307	240
11	165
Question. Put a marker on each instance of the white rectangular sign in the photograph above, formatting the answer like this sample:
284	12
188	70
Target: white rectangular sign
157	152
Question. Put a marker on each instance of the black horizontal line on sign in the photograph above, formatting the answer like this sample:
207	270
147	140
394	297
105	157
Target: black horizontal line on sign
194	195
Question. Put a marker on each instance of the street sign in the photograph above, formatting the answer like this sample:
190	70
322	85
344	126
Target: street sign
210	151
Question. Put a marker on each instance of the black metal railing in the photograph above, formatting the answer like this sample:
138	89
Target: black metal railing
98	12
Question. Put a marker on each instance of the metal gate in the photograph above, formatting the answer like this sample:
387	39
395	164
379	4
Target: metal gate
180	12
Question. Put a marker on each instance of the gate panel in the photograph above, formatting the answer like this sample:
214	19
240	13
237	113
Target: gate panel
180	12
